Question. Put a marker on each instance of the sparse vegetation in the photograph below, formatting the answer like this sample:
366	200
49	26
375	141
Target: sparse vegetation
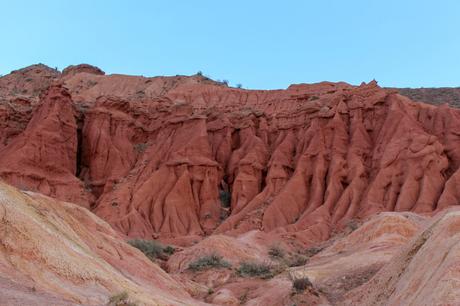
239	85
434	96
140	147
257	269
352	225
312	251
169	250
244	297
208	262
300	284
152	249
115	299
276	252
286	259
200	73
225	82
297	261
121	299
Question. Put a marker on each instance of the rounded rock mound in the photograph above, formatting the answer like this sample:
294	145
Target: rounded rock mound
75	69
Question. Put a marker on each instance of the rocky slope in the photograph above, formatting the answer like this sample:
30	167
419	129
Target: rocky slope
436	96
153	156
213	169
423	272
57	253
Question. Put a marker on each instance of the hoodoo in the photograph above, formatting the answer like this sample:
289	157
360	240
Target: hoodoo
228	174
157	154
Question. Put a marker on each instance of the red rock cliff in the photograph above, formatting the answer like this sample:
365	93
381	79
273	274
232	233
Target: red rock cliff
157	153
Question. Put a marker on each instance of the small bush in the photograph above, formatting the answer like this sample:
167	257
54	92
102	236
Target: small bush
276	252
208	262
117	298
313	251
239	85
225	82
225	198
352	225
121	299
297	261
140	147
200	73
244	297
169	250
300	284
152	249
256	269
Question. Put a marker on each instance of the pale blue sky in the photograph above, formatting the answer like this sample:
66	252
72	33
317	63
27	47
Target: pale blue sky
261	44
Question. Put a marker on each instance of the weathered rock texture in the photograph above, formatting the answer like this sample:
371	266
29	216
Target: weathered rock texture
425	271
43	157
56	253
181	158
154	156
351	261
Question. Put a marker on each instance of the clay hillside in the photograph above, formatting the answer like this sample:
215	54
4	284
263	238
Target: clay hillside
130	190
436	96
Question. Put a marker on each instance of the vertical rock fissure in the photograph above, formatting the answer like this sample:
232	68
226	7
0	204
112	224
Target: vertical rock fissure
80	120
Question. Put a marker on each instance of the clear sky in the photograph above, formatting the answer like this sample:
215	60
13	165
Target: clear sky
260	44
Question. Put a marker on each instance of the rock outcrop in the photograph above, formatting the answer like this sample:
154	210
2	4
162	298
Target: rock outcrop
352	260
313	158
43	157
82	68
281	177
57	253
156	157
423	272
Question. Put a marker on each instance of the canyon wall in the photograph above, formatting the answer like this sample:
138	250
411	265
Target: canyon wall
183	156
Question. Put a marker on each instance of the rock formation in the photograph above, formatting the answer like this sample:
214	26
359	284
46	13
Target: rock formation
422	272
43	157
283	177
153	156
56	253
